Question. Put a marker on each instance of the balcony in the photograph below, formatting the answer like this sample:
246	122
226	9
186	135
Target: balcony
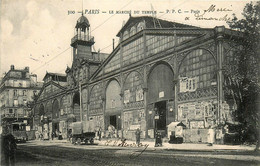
84	39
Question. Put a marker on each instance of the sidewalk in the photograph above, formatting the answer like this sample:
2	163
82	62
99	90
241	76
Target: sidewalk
181	147
149	144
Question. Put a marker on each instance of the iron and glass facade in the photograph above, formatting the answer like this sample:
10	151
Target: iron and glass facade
157	74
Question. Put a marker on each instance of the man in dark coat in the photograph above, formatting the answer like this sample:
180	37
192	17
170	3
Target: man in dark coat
8	149
137	134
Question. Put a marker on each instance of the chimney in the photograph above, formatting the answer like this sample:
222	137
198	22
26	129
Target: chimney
12	67
26	68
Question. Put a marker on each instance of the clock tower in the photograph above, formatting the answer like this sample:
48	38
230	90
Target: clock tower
82	41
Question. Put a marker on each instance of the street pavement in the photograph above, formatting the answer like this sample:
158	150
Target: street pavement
149	147
116	152
183	146
167	146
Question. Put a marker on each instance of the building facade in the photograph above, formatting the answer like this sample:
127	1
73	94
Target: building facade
17	91
160	72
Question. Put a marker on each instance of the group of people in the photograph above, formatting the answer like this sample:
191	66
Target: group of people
56	134
158	137
45	135
111	131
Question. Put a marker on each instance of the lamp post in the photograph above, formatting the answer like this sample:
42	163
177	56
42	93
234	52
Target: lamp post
156	117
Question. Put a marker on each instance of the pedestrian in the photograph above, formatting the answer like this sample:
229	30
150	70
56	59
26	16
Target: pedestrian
56	133
137	135
158	139
9	148
37	135
211	136
52	135
70	134
111	130
41	136
99	133
60	136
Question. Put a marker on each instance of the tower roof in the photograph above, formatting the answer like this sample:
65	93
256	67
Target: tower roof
82	22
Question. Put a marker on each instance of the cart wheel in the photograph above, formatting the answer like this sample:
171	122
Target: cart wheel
91	141
78	141
73	140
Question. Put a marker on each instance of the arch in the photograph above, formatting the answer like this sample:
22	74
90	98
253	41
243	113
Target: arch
63	104
211	53
199	64
48	109
41	110
108	82
133	84
95	97
55	109
126	76
76	98
113	104
158	63
62	101
160	82
76	105
113	90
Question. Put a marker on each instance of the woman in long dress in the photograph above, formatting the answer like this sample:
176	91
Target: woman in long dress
211	136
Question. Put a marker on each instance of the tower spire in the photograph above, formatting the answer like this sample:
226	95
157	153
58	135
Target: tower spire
82	8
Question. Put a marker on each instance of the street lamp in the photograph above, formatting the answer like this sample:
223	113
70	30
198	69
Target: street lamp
156	117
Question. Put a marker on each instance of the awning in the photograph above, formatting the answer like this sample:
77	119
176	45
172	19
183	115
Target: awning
174	124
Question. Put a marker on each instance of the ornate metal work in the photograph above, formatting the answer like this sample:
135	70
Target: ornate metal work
138	104
199	93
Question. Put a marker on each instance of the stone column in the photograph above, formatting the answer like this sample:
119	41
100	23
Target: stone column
175	82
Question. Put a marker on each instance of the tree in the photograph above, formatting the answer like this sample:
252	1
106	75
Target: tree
243	82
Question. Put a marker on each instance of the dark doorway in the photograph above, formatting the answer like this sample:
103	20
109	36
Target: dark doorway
113	121
160	123
76	111
55	128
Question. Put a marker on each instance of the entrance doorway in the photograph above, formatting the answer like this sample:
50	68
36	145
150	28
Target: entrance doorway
160	121
55	128
113	121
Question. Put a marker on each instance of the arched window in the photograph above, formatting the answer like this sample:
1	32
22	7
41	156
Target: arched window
200	65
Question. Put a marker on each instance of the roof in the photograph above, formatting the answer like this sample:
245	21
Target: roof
54	74
149	23
82	21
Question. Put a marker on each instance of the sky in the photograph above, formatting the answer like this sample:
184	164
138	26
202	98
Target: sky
37	33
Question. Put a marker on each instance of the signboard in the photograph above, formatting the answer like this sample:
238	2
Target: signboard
188	84
139	95
134	127
28	128
161	94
